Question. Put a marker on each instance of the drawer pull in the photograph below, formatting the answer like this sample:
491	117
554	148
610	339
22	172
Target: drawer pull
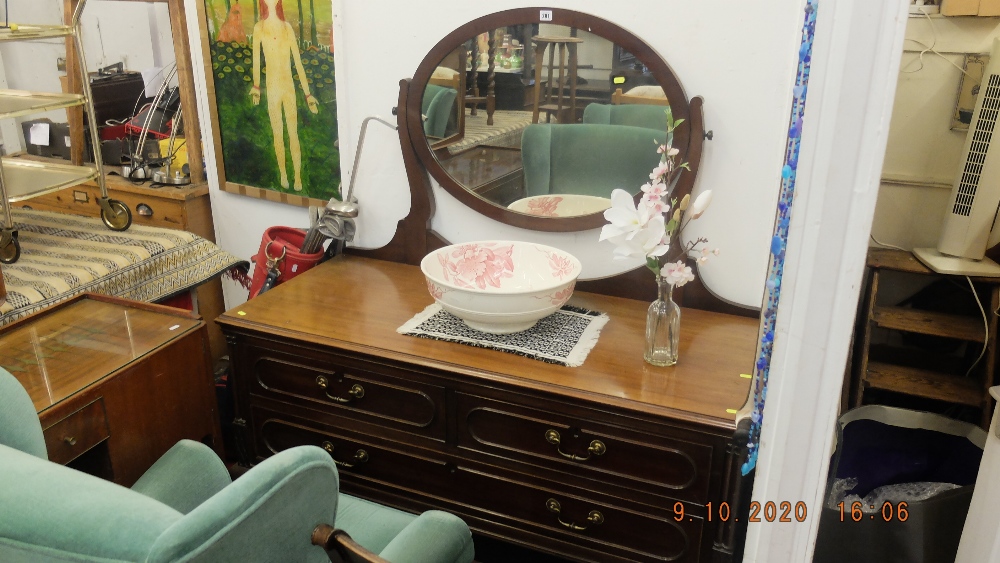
596	447
356	391
69	440
144	210
360	456
594	518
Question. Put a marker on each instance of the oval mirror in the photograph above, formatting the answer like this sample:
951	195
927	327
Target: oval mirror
534	123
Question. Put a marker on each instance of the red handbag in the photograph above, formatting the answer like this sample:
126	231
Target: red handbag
279	259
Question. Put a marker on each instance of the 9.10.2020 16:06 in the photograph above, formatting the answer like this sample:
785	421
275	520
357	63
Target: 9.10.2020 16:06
767	512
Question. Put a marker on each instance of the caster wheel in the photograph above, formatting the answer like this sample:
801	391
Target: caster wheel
10	253
122	218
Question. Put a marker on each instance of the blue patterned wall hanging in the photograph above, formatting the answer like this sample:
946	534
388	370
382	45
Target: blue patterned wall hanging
780	238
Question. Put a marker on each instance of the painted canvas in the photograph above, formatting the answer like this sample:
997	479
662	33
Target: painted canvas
275	95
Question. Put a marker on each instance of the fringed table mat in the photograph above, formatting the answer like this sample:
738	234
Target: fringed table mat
564	337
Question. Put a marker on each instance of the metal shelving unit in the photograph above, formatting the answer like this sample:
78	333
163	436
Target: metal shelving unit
22	179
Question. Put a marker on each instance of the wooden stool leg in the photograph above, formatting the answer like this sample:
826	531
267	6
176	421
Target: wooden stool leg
539	58
548	85
573	68
562	70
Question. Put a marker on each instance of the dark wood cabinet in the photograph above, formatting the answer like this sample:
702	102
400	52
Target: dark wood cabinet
588	463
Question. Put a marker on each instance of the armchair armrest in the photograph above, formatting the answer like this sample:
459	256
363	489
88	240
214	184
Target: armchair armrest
184	477
340	548
265	515
433	537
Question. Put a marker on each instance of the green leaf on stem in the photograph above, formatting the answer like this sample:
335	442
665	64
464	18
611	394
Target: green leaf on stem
653	264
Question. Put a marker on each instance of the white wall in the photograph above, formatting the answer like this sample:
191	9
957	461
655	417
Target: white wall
740	56
922	156
135	33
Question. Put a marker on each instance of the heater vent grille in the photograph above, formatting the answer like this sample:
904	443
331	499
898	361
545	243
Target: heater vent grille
965	195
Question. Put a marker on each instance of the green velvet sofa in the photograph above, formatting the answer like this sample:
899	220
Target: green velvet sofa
587	159
186	508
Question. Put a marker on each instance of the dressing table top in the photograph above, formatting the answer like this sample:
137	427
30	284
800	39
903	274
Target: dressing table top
356	304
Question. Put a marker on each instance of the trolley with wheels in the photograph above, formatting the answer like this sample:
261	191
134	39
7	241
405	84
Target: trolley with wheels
22	179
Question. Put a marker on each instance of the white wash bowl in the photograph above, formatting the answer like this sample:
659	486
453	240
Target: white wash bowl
500	286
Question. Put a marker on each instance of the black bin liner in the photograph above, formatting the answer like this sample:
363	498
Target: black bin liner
879	446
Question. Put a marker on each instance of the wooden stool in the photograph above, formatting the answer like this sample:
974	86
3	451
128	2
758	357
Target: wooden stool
564	44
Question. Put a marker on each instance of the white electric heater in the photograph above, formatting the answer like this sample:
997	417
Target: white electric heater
970	223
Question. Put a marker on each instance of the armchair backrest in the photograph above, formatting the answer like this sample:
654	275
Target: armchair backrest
19	425
49	512
587	159
633	115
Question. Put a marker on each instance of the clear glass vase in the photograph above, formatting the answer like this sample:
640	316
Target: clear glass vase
663	324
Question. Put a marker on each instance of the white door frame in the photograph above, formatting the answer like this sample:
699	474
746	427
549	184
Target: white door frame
855	64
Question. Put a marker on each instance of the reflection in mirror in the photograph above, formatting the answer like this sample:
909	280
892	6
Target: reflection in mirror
545	120
441	107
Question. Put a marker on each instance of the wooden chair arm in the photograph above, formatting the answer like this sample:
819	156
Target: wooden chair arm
340	548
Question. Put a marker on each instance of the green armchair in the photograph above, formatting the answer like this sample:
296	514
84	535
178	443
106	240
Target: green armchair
587	159
437	107
632	115
186	508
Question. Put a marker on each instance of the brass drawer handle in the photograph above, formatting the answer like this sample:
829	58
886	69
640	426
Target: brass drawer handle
360	456
596	447
356	391
594	518
69	440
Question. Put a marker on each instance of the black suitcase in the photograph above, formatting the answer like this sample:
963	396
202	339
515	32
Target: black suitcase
118	94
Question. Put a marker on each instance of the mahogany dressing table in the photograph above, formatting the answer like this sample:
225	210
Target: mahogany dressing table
588	463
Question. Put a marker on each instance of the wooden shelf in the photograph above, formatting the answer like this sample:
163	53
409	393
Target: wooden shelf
29	32
931	366
25	179
970	329
15	103
924	383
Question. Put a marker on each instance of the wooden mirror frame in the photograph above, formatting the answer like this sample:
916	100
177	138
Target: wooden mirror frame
414	237
688	137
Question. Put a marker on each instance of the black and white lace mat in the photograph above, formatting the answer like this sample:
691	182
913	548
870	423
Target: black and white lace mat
564	337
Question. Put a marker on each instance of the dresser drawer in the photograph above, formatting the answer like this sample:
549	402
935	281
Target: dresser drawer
77	433
364	391
573	517
562	513
357	457
585	449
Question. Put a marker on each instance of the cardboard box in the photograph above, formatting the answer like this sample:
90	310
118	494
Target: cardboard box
989	7
960	7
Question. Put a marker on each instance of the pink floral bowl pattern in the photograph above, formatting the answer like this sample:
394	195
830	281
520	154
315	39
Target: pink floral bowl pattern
500	286
562	205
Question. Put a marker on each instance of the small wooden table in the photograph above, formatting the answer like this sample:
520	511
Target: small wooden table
116	383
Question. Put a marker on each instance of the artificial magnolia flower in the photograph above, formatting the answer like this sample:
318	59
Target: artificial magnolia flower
624	218
647	241
701	204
